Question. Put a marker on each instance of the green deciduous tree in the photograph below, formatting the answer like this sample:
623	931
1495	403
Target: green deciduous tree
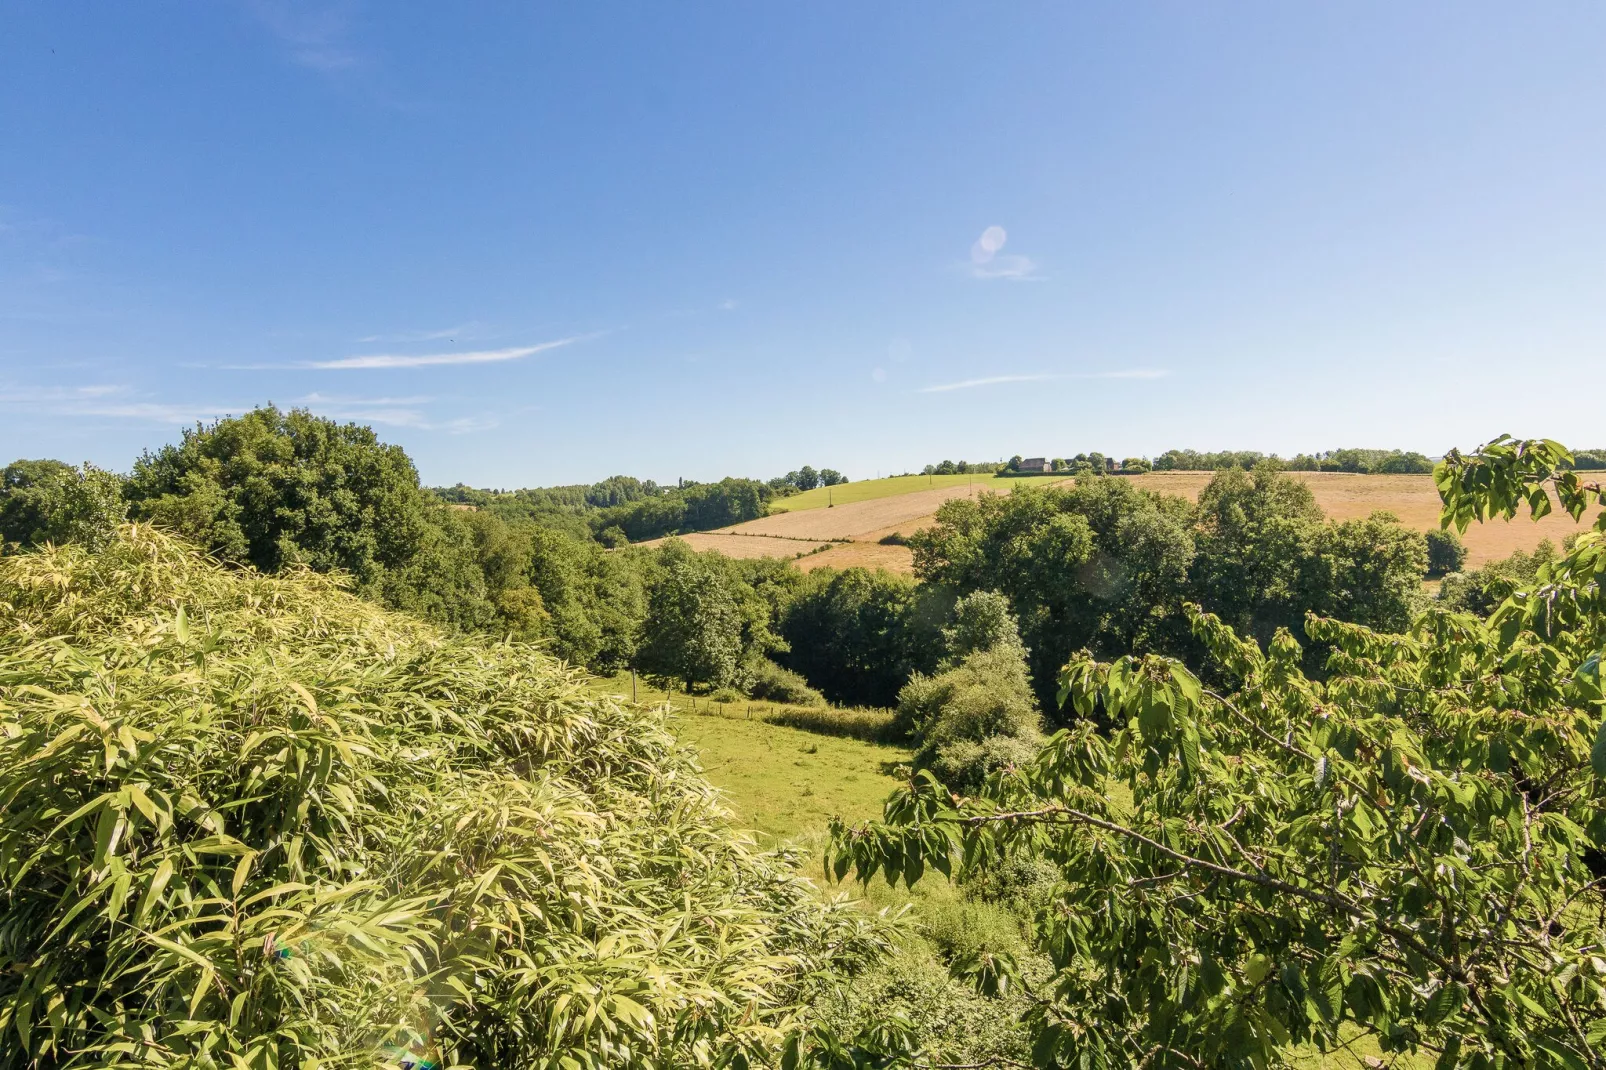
1102	565
1403	848
52	502
857	635
1446	553
693	627
279	488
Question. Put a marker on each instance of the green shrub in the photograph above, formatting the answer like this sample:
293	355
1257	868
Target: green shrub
1022	881
771	683
966	928
726	695
1482	589
972	720
896	538
254	821
52	502
954	1022
1446	552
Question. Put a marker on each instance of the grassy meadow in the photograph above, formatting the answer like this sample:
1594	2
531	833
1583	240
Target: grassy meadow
867	489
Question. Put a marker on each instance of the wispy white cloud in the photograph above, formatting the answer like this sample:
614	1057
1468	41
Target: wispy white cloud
115	402
419	360
989	261
729	304
110	402
994	380
393	412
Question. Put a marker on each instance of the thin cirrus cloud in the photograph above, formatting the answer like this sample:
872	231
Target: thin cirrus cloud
392	412
108	402
315	36
995	380
989	261
370	361
425	360
105	401
462	330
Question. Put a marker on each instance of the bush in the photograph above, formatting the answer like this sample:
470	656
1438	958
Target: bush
771	683
955	1023
960	929
252	820
896	538
1482	589
1023	881
972	720
965	764
727	695
1446	553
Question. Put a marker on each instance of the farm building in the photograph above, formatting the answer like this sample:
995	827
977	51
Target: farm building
1036	464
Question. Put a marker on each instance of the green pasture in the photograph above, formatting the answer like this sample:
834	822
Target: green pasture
867	489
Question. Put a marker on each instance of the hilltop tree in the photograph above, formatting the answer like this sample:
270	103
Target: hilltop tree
279	488
1446	553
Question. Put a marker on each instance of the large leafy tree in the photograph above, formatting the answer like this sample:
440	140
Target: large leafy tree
1101	565
857	635
693	628
1403	849
279	488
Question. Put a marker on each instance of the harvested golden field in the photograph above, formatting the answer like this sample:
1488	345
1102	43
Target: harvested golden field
856	520
869	555
1413	499
1341	495
746	545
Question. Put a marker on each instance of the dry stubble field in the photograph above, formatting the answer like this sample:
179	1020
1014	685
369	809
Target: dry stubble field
1342	496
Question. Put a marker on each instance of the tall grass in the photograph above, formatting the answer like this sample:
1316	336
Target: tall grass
254	822
872	726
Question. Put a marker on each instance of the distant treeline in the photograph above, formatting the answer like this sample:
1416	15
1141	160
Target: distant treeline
1382	462
623	509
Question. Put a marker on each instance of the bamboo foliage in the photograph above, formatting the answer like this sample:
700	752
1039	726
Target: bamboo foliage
250	821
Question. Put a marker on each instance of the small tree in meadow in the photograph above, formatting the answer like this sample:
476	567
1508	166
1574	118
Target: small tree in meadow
1446	553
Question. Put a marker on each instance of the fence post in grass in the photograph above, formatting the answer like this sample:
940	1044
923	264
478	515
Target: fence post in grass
632	683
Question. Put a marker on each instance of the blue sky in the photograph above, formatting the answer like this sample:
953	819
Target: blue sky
546	243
